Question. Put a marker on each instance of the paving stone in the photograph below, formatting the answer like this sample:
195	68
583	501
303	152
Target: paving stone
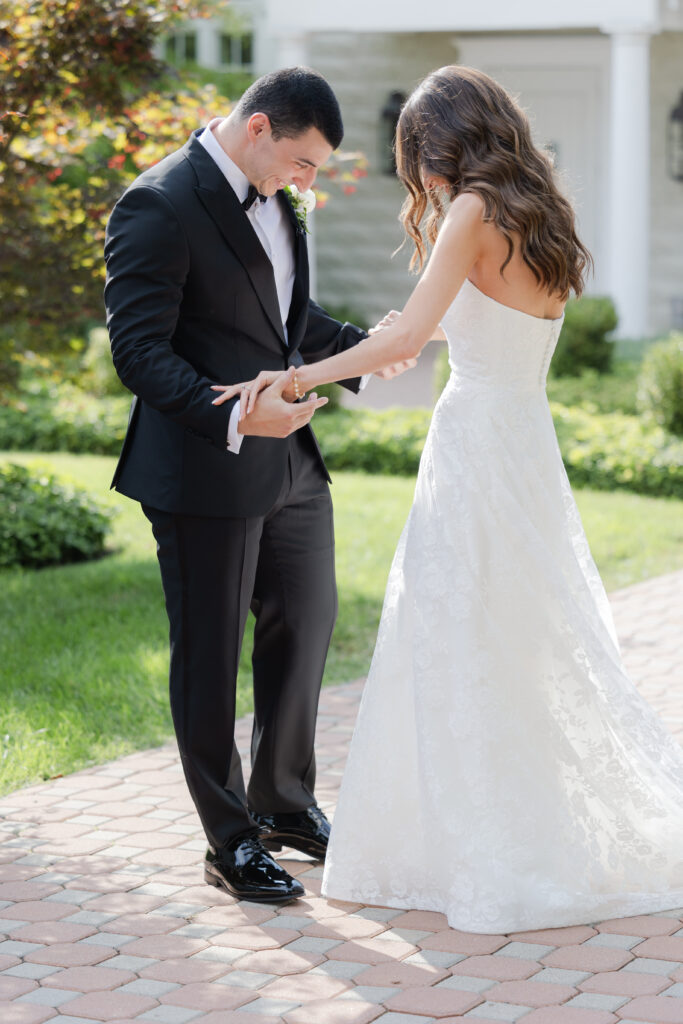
434	1002
498	1011
344	1013
657	1009
597	1001
12	988
90	979
148	987
45	996
35	971
340	968
369	993
136	964
402	975
308	944
75	896
614	940
557	976
525	950
467	984
625	982
500	968
454	941
207	996
26	1013
651	966
648	926
567	1015
663	947
171	1014
249	979
106	1006
89	917
272	1007
112	939
435	957
14	947
587	958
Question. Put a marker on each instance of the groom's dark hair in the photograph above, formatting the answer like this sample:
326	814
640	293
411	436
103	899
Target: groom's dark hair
295	99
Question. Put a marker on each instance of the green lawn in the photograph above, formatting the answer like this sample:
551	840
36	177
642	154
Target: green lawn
83	656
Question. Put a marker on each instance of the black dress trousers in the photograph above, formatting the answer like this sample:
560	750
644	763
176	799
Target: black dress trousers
213	570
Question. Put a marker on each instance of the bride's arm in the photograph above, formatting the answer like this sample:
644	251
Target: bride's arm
457	249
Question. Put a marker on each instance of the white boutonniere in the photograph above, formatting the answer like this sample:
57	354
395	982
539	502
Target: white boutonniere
302	203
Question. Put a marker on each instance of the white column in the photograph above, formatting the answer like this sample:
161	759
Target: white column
290	51
207	41
629	181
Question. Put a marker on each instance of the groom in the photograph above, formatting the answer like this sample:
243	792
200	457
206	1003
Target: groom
207	282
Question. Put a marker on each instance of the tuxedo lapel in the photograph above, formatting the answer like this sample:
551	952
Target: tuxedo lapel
225	209
296	321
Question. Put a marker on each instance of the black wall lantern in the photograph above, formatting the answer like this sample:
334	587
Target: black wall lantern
675	141
388	119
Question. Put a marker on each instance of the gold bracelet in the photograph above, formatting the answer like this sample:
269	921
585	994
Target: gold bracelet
297	391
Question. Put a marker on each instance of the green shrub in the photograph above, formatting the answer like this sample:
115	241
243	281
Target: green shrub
42	522
48	416
442	372
615	450
660	385
583	339
98	373
388	441
598	392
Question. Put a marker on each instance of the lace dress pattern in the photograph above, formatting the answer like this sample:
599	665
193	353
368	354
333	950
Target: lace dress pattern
504	770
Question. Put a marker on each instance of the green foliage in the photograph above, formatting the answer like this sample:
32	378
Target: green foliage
660	385
614	450
388	441
442	371
50	416
583	339
43	522
99	376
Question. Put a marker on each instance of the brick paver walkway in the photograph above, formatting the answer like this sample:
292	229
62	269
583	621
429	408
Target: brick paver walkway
104	915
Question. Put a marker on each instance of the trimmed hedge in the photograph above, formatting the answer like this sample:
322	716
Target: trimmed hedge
583	339
615	450
388	441
44	522
660	385
49	417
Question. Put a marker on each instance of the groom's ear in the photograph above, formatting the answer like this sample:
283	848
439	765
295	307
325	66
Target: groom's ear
258	125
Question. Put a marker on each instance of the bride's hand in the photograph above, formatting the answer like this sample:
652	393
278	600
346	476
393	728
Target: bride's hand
249	390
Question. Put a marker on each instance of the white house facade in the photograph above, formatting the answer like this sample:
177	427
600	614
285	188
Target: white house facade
598	78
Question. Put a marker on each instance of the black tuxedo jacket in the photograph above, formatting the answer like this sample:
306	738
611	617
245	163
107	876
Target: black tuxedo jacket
191	301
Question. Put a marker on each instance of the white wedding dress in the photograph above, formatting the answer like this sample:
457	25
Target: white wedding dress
503	770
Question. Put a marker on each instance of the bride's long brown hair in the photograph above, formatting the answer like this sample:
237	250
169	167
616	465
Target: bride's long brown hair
462	126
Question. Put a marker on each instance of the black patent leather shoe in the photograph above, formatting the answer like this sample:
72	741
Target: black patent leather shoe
307	831
244	869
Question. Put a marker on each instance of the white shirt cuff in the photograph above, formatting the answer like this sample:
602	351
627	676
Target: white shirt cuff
364	380
234	438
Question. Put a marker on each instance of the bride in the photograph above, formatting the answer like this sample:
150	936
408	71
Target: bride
504	770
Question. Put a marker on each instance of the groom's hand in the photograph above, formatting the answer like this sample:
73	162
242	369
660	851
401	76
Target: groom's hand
272	415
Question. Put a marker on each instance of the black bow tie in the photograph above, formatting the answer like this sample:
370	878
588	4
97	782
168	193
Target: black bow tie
252	195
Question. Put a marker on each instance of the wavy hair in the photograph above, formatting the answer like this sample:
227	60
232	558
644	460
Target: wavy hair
462	126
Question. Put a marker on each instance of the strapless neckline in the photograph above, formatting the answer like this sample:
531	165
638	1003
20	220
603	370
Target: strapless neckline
541	319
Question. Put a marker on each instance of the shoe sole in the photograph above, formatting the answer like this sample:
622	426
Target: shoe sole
218	882
277	842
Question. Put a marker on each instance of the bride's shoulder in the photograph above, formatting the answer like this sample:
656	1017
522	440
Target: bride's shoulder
465	213
464	226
